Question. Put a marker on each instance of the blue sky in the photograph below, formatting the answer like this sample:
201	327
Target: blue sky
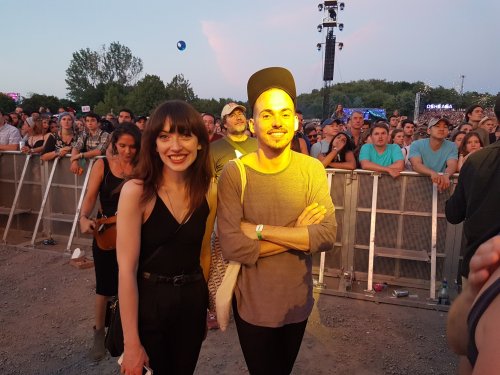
434	41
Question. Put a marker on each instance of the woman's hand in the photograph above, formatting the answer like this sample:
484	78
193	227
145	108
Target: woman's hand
339	143
87	225
63	151
25	150
134	360
312	214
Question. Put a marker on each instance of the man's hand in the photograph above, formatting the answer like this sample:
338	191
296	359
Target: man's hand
74	167
248	230
442	181
484	262
63	151
312	214
393	172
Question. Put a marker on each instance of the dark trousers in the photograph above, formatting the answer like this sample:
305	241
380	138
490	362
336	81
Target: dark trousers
269	351
172	324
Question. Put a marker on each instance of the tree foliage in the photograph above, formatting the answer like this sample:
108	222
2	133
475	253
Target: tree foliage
146	95
180	88
7	104
35	101
90	73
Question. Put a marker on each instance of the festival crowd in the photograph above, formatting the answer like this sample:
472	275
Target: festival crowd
170	175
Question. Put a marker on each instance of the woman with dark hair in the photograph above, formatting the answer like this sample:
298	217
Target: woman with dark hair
457	138
471	143
340	153
165	220
106	177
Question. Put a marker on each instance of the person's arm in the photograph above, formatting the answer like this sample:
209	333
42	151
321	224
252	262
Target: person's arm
349	163
10	147
205	257
482	265
456	206
487	337
128	241
303	146
326	160
49	147
96	175
76	154
394	169
461	160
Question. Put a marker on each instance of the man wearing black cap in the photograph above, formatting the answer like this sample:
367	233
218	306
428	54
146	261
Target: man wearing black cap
286	215
435	156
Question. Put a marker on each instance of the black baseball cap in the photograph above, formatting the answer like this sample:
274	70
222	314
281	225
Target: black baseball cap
270	78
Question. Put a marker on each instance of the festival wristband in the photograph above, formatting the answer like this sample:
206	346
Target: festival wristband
258	230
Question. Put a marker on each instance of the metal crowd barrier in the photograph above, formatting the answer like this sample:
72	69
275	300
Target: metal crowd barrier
389	230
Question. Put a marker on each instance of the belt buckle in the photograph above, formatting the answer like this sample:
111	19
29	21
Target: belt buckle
178	280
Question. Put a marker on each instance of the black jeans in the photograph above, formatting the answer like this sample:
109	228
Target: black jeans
269	351
172	324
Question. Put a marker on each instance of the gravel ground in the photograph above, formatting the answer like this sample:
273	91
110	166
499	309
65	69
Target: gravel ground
46	309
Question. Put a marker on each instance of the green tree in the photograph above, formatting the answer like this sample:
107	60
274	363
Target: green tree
180	88
35	101
91	72
114	99
7	104
146	95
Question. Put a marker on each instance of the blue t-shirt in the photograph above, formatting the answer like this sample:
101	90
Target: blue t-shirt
391	154
320	147
435	160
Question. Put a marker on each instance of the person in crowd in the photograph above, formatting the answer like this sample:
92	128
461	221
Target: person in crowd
61	110
125	115
53	128
9	136
340	153
298	142
393	122
380	155
408	127
140	122
79	126
236	143
209	120
45	124
311	133
34	137
15	119
475	198
283	220
465	127
164	227
106	177
367	124
355	127
92	142
339	113
457	138
435	157
329	128
475	314
474	114
397	137
301	134
472	142
60	143
486	130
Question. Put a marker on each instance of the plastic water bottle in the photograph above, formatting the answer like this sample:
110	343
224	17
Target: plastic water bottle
444	296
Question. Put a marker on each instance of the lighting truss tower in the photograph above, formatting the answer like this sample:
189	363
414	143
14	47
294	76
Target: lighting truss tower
330	22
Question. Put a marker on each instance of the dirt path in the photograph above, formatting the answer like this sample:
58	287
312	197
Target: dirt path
46	311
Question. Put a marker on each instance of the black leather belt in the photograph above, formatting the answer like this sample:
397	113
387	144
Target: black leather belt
177	280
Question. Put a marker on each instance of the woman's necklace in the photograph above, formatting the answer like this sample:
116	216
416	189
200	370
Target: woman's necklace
178	218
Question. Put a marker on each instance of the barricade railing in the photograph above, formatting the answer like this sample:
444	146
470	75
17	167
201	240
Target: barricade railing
391	230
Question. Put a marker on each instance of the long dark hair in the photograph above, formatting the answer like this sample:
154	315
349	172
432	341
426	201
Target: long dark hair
463	147
348	146
185	120
133	131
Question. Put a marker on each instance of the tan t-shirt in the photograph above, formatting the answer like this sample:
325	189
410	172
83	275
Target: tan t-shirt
275	290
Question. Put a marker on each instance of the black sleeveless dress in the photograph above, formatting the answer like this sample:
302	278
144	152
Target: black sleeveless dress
172	318
105	264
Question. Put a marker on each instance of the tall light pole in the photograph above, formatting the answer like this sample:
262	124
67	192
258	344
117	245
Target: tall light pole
329	23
